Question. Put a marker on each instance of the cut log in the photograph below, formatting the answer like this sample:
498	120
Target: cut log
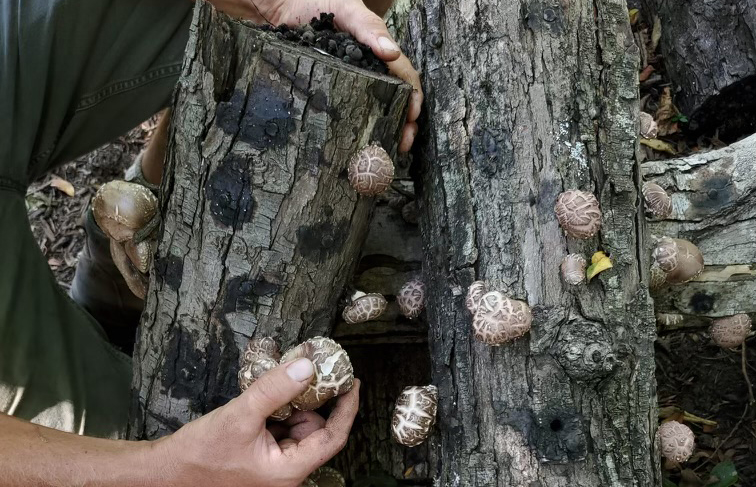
710	54
526	100
714	206
261	229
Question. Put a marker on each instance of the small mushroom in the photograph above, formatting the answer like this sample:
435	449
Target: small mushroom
578	213
414	415
657	201
731	331
333	371
121	209
573	269
260	356
658	278
677	441
327	477
499	319
371	171
679	259
648	127
474	294
364	307
411	298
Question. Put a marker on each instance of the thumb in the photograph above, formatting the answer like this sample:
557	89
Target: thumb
278	387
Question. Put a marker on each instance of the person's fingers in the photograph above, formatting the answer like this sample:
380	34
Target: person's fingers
276	388
354	17
278	431
408	136
322	445
402	68
303	423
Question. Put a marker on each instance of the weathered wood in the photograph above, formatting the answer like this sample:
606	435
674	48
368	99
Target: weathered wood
709	52
714	206
261	229
525	100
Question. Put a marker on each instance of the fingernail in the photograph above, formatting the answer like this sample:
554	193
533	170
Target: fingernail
300	370
388	45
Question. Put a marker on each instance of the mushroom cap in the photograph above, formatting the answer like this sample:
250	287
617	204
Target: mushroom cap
414	415
731	331
135	280
333	371
648	127
265	347
474	293
371	170
657	201
578	213
679	259
573	269
500	319
121	208
308	482
677	441
327	477
658	277
411	298
365	308
260	356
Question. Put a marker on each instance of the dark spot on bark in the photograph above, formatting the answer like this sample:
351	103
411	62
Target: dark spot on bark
490	152
229	191
715	193
241	293
319	101
559	436
556	424
223	363
229	113
319	242
170	270
184	369
544	15
436	40
701	302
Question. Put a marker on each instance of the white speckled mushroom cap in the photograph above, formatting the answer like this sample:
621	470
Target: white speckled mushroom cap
657	201
365	308
474	293
333	371
411	298
573	269
414	415
371	171
260	356
500	319
578	213
648	126
731	331
680	260
677	441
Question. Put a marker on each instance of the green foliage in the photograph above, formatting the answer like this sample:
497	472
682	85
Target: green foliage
679	118
725	475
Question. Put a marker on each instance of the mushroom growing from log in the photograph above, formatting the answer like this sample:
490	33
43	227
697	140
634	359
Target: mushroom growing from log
476	291
327	477
364	307
371	171
679	259
499	319
414	415
648	127
411	298
260	356
578	213
677	441
731	331
573	269
333	371
657	201
121	209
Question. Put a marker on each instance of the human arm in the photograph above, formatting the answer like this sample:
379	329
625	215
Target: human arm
227	447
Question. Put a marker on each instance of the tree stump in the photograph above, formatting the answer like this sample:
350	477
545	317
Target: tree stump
709	53
261	229
714	206
526	100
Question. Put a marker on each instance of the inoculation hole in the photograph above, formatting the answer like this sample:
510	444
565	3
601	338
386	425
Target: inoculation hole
556	425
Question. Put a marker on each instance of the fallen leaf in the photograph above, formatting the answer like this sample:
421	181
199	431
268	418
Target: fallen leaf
656	33
723	475
599	263
643	76
63	186
633	13
659	145
666	115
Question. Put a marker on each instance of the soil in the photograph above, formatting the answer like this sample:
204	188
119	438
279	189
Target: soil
321	33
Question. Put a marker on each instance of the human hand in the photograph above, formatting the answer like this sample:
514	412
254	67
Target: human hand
232	447
351	16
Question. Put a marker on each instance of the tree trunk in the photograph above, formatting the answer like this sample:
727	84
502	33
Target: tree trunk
261	229
714	206
526	100
710	54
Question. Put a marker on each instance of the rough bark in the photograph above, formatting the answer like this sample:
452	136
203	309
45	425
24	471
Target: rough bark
710	54
525	100
714	206
261	230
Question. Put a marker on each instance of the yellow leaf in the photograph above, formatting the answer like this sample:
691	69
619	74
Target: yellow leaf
633	15
599	263
659	145
63	185
656	33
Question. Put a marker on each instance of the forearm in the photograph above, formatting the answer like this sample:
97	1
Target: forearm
32	455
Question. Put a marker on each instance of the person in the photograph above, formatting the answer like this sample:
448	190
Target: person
74	74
